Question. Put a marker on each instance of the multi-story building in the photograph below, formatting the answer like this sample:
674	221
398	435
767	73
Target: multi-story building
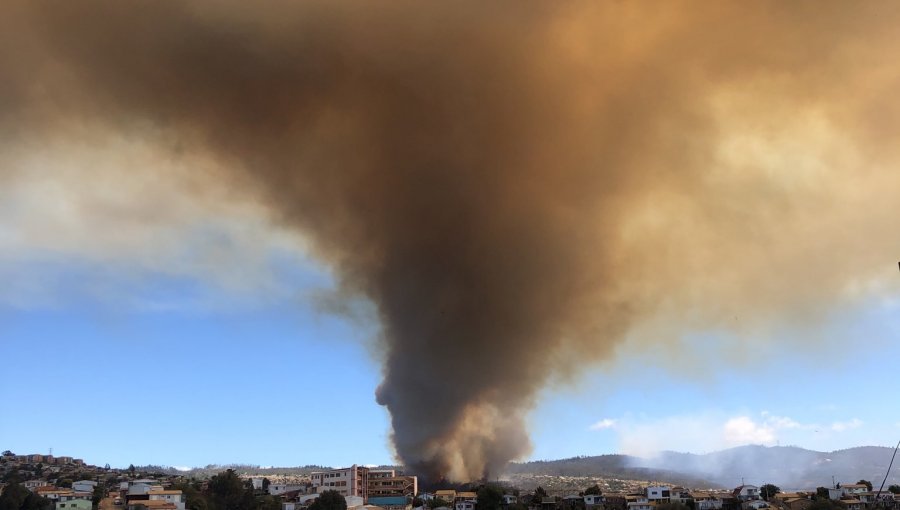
386	483
351	481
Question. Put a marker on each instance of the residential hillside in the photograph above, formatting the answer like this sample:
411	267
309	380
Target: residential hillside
604	467
785	466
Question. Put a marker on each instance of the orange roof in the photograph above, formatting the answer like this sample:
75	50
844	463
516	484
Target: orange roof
155	504
160	491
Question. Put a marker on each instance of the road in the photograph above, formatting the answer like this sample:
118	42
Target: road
109	504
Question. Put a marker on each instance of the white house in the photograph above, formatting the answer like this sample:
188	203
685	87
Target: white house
465	505
593	500
660	493
169	496
746	492
855	488
280	488
509	499
639	503
34	484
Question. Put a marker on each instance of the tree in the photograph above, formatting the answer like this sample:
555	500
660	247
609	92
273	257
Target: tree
7	453
106	467
593	490
489	497
768	490
867	483
265	484
437	503
822	493
268	503
131	469
17	497
228	492
894	489
193	498
539	494
329	500
98	494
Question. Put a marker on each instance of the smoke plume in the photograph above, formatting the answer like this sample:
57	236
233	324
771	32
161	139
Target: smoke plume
517	187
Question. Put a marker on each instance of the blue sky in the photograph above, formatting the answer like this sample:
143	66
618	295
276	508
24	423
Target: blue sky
207	375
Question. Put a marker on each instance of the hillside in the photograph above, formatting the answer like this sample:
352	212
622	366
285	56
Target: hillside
785	466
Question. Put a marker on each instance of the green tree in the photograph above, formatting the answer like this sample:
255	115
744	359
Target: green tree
268	503
437	503
193	498
867	483
593	490
894	489
822	493
228	492
539	494
131	469
489	497
99	493
768	490
17	497
265	485
329	500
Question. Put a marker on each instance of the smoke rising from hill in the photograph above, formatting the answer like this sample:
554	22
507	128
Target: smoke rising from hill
517	188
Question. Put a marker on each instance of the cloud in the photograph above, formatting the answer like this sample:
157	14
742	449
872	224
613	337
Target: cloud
743	430
709	431
605	423
841	426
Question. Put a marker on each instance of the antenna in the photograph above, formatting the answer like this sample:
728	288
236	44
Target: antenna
878	496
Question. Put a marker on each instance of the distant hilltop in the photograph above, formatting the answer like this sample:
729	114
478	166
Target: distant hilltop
786	466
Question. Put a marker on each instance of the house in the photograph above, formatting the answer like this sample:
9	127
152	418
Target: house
170	496
74	504
797	503
84	486
52	493
447	495
146	504
706	501
33	484
851	503
639	502
756	504
592	501
464	505
746	493
277	489
855	488
658	493
509	499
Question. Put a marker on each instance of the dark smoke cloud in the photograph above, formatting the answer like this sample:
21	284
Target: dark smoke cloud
517	187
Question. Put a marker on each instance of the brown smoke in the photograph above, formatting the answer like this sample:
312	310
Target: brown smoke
518	187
